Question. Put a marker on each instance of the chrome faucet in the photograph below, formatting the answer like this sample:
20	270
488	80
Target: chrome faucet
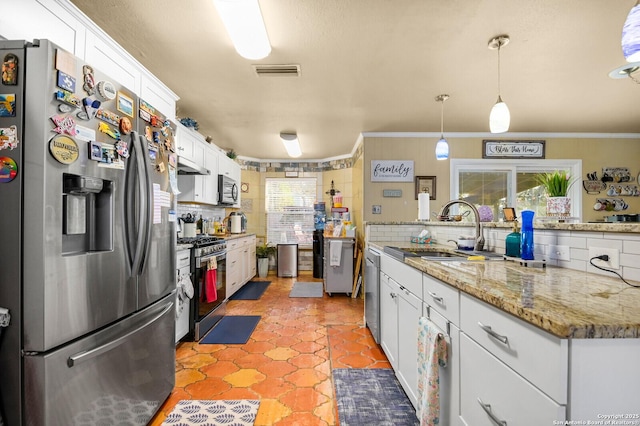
479	237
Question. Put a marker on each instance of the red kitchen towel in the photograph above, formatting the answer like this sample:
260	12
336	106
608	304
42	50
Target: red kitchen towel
210	293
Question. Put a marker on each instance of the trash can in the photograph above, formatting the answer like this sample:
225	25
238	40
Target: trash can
287	260
318	253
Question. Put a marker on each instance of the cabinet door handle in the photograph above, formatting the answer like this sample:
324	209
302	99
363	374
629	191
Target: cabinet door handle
490	332
494	418
393	295
436	297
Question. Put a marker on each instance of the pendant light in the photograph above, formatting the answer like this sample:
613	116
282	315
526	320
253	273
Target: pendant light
631	35
500	117
442	147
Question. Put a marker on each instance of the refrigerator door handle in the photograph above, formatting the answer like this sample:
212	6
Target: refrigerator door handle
149	200
92	353
142	199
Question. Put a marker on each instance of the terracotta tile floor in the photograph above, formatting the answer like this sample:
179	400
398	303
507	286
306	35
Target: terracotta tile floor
288	360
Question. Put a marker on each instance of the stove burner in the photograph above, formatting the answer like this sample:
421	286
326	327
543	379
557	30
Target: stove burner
199	241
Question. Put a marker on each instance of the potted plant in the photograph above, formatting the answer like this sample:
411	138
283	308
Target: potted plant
263	253
557	184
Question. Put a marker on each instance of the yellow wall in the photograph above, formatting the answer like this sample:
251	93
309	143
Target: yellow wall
595	154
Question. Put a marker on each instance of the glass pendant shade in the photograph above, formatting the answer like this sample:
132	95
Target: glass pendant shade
500	118
631	35
442	149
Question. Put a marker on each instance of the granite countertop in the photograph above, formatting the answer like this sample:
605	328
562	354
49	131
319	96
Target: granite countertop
234	236
564	302
626	227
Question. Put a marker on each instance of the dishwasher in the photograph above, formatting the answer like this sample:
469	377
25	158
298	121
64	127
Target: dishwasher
372	292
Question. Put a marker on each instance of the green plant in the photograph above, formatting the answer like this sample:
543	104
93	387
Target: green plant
556	183
232	154
265	250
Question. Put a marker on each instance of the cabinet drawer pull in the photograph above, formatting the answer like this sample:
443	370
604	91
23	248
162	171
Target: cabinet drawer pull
487	409
490	332
436	297
393	295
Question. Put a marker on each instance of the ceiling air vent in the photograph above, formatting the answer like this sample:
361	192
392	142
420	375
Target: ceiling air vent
277	70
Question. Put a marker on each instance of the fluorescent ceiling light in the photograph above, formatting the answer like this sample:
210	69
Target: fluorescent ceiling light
291	144
243	21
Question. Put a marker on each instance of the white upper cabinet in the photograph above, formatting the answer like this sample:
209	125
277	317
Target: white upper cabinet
62	23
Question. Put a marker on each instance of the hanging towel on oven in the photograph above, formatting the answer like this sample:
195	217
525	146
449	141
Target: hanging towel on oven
209	291
432	354
335	252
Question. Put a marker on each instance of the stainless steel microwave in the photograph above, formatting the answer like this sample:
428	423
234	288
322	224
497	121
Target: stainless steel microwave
227	190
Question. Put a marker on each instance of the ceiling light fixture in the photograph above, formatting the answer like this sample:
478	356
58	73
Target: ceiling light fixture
291	144
442	147
631	35
500	117
625	71
243	21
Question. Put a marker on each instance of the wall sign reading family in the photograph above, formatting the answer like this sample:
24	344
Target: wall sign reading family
512	149
391	171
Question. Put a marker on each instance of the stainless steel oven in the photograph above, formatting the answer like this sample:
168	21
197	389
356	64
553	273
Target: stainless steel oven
206	314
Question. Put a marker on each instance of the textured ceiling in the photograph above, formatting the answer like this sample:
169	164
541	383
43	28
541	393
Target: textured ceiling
377	65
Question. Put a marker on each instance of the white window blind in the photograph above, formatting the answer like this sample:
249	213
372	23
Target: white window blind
289	207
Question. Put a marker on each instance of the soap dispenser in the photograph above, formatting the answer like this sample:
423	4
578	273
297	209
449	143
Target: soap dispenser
512	242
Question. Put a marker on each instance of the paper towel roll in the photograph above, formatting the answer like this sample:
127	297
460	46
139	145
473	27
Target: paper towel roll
423	206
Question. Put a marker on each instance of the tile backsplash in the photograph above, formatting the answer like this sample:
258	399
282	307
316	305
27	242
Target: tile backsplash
545	243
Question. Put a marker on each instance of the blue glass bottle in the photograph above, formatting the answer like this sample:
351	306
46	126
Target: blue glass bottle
526	241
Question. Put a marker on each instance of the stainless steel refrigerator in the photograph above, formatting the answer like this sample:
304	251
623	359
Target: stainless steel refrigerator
88	245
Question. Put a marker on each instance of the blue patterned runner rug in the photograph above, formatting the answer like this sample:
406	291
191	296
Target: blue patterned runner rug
372	397
239	412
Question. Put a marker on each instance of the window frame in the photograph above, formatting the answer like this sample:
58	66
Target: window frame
513	166
305	211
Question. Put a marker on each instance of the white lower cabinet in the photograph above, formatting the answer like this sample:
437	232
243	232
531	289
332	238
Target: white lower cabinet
493	394
389	320
241	262
409	313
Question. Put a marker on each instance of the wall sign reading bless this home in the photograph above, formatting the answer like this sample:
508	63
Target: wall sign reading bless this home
391	171
512	149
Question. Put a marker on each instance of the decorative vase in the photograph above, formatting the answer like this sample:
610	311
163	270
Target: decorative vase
526	236
559	206
263	267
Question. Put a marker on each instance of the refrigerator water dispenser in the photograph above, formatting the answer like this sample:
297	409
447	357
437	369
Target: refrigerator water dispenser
87	221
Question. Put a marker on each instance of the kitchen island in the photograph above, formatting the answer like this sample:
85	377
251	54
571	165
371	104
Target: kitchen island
526	345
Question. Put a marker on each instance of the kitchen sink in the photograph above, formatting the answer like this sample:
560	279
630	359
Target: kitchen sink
454	255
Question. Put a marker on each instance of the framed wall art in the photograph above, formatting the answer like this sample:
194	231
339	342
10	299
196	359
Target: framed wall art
426	184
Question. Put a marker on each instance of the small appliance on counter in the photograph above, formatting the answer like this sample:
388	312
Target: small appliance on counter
236	222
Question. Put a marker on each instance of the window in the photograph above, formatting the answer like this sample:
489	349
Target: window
289	207
511	183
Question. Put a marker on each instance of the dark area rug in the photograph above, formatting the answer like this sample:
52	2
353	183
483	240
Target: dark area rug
372	397
251	291
232	330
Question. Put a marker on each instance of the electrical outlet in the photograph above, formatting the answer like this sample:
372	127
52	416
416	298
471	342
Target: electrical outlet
614	257
377	209
559	252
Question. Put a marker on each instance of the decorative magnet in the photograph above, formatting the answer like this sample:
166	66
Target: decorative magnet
108	116
65	109
64	125
160	167
10	70
89	85
106	90
66	82
68	98
169	144
147	107
172	160
156	138
91	107
8	169
8	105
65	61
154	121
104	128
125	104
95	151
8	137
125	125
64	149
147	133
122	148
144	115
165	131
153	153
